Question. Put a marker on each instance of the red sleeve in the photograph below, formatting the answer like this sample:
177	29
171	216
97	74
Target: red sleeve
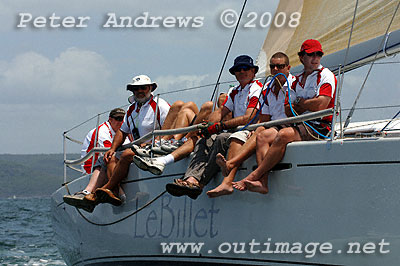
326	90
107	144
253	102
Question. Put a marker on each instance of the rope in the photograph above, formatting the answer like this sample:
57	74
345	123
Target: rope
126	217
251	120
229	48
369	71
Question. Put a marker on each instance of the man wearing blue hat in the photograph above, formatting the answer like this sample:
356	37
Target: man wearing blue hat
242	102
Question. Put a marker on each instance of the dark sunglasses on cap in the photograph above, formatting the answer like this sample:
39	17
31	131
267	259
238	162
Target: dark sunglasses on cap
240	68
118	118
319	54
279	66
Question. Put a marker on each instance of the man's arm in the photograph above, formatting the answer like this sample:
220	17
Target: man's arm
241	120
218	114
117	141
314	104
264	118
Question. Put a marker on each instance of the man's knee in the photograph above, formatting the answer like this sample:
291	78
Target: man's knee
285	136
177	105
190	106
262	135
127	155
206	107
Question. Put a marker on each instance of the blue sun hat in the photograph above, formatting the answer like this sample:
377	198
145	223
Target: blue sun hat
242	61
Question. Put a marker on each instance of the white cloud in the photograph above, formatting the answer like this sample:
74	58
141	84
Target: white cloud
75	75
171	83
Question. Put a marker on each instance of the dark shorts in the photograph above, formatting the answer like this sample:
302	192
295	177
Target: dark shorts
305	131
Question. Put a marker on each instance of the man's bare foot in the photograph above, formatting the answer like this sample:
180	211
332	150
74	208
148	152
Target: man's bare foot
221	162
257	186
223	189
239	185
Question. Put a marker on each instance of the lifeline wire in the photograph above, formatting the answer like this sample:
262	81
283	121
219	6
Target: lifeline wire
369	71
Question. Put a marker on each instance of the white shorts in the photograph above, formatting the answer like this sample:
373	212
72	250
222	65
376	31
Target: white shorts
242	135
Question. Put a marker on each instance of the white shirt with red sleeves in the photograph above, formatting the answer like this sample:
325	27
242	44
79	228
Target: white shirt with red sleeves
275	104
240	99
142	116
320	82
104	139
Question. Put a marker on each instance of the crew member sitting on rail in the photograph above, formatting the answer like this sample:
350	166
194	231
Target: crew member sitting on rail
272	109
139	120
315	90
105	136
242	102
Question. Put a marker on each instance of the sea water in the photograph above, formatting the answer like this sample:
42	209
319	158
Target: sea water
26	233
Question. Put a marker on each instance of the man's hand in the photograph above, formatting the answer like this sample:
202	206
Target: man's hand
212	129
108	155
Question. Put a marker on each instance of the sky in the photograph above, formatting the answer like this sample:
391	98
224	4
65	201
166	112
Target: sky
55	76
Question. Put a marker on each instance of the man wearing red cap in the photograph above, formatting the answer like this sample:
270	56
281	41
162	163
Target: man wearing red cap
315	91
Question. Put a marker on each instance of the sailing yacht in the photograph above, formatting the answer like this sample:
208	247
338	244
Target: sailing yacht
331	202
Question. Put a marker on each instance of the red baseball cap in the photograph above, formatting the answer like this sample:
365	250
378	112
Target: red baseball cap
310	46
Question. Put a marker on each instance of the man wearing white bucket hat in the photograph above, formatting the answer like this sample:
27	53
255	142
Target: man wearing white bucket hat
139	120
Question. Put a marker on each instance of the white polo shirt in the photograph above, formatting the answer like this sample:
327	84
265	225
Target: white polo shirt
320	82
142	116
275	104
240	99
104	139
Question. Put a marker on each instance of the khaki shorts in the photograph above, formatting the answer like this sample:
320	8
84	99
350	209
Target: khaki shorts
243	136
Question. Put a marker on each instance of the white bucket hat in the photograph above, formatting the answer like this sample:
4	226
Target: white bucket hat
141	80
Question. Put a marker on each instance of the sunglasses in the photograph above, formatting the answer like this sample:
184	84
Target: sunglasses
245	68
278	66
118	118
136	88
319	54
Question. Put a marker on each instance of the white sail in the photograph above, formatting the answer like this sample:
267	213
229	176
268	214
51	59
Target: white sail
330	22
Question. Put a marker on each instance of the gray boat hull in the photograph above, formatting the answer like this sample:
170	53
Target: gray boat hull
330	203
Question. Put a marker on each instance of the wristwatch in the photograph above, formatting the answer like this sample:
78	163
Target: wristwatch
297	100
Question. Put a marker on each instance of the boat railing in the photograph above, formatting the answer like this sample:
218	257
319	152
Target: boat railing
148	136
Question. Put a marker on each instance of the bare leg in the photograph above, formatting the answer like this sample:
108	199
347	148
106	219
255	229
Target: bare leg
184	119
121	170
98	179
111	166
262	137
192	137
225	188
173	112
93	180
273	156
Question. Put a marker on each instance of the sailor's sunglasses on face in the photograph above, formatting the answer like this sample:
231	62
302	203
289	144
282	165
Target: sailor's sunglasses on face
245	68
318	54
278	66
136	88
118	118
